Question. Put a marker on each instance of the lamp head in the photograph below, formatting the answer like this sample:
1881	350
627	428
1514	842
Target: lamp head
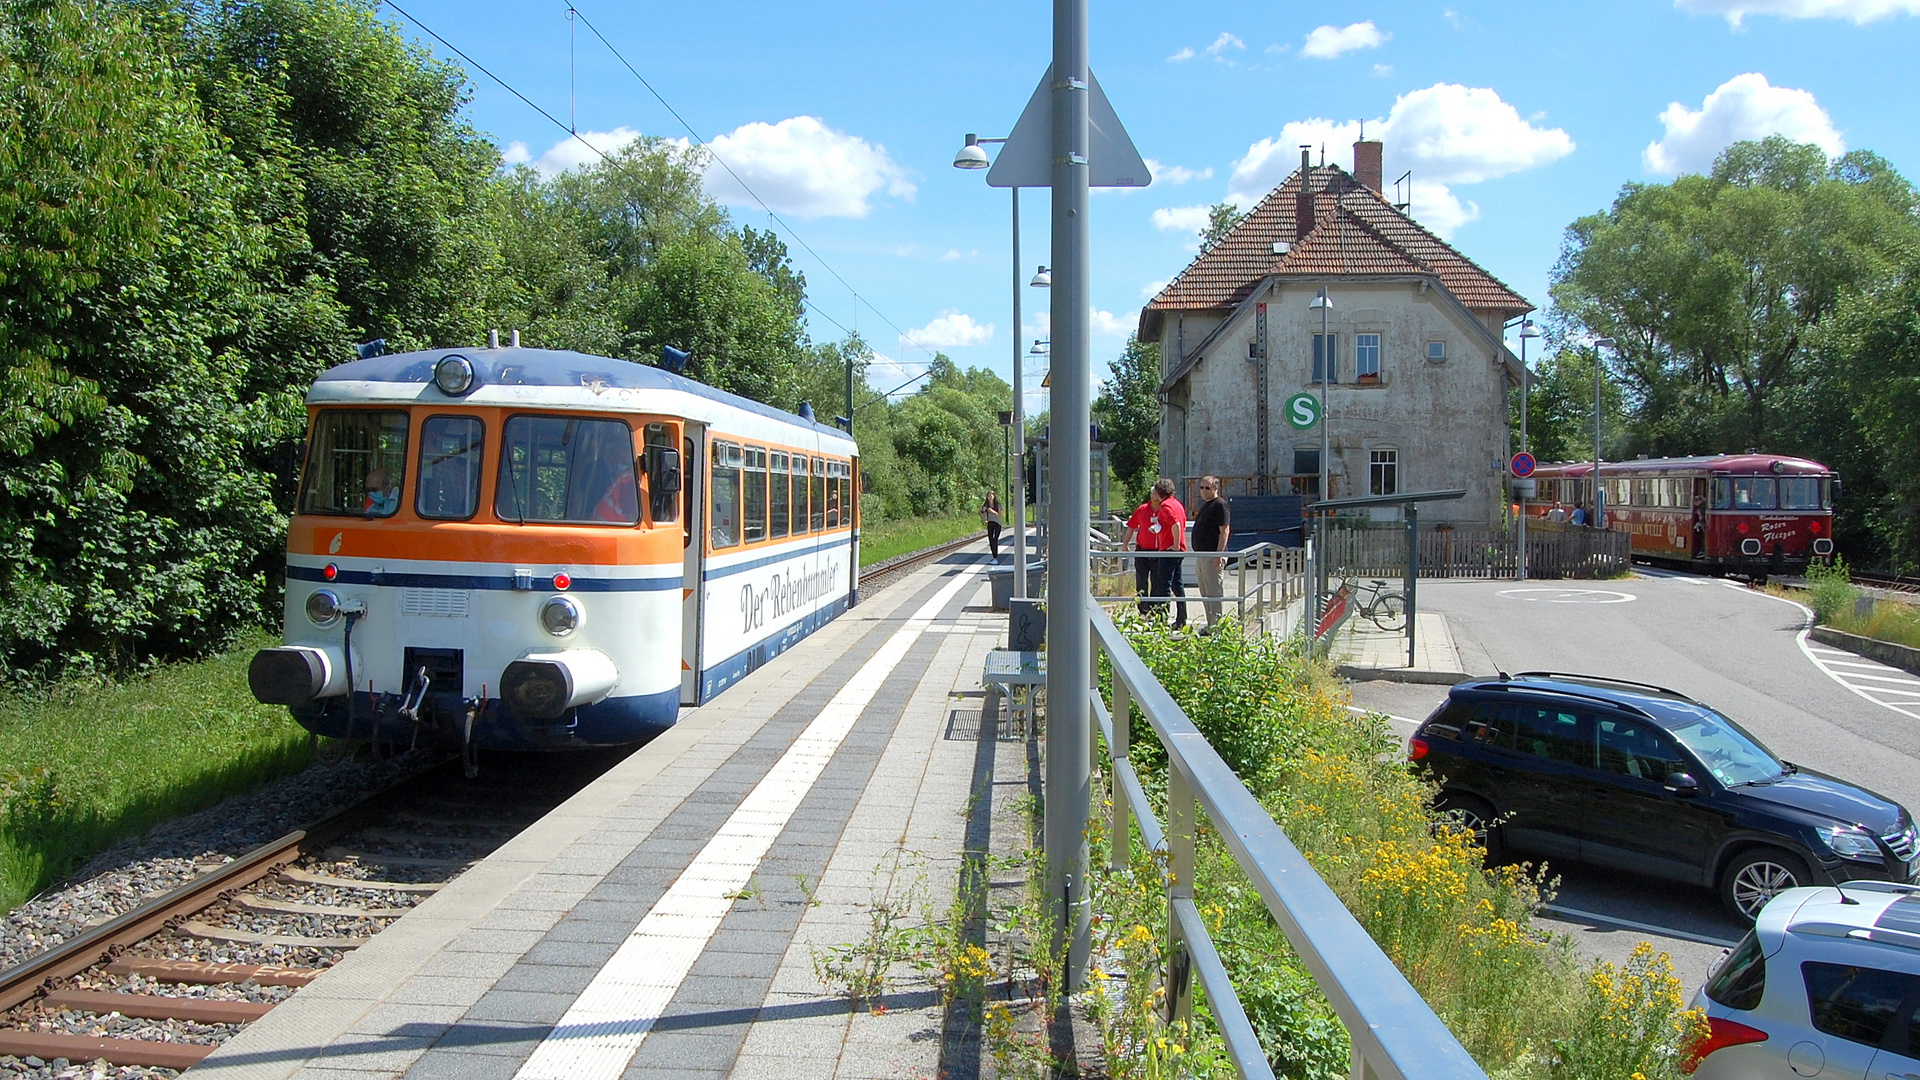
1321	300
1603	343
1042	279
972	155
1528	330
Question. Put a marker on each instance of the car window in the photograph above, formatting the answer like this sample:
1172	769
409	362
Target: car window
1733	756
1741	979
1543	732
1854	1003
1629	749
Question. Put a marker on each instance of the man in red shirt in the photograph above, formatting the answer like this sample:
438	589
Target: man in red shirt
1160	524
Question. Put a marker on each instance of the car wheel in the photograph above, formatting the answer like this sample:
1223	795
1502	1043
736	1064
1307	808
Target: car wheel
1475	815
1757	876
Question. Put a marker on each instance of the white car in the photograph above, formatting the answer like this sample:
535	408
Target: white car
1826	984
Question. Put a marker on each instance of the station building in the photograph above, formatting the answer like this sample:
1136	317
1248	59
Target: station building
1421	377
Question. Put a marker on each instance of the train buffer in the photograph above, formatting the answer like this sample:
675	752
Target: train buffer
668	919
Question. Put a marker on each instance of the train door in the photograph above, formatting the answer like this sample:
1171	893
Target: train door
1698	517
693	513
853	516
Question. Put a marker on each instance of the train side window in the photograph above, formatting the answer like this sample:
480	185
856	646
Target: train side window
1722	493
818	519
753	496
848	500
1754	493
833	495
558	468
724	526
356	463
450	448
1799	493
664	479
780	496
799	495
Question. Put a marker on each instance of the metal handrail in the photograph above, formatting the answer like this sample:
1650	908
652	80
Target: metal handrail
1395	1034
1268	577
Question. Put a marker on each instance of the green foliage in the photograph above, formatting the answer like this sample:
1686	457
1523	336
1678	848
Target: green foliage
1127	411
89	763
1764	305
1221	219
1830	587
883	540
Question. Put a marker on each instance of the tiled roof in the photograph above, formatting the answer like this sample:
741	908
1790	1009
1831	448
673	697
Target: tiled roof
1356	231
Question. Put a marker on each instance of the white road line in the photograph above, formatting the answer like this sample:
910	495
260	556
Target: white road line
603	1029
1649	928
1868	664
1806	628
1388	715
1882	678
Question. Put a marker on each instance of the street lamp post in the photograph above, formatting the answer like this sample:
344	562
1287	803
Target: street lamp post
1324	303
1527	330
1598	519
971	156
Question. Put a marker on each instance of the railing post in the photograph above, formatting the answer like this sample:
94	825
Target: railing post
1178	977
1122	714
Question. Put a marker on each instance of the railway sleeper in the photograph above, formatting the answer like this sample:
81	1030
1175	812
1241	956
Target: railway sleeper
137	1052
194	928
159	1007
252	902
308	877
209	973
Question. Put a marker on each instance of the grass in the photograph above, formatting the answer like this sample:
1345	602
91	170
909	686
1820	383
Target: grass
1834	600
89	764
890	538
1518	998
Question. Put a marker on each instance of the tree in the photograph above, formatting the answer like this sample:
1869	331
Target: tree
1221	218
1127	411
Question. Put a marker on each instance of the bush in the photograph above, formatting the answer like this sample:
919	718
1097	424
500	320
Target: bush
1518	998
1830	587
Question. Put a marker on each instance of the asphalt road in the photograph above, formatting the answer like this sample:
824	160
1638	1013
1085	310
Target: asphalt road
1732	647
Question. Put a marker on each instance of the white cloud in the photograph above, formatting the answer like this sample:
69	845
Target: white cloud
950	330
1152	289
1327	42
1438	208
884	373
1184	54
955	254
570	152
1279	48
1743	107
1180	219
1859	11
1224	42
1445	133
1383	70
1172	174
802	167
1107	324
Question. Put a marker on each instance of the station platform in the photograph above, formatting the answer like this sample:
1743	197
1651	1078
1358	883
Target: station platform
667	920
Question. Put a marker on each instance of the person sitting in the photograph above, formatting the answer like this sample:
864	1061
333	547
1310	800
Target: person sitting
383	495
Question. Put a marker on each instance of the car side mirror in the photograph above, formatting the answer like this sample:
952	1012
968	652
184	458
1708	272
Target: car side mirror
1683	784
663	469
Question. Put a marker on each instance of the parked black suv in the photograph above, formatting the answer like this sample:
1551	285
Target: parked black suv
1641	778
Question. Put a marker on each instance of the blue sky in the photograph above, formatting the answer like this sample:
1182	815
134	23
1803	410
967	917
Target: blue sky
1514	118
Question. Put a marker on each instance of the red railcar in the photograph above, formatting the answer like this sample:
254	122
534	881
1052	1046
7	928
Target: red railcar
1747	514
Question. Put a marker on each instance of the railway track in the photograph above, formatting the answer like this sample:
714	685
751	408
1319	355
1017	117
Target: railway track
161	986
1889	582
887	571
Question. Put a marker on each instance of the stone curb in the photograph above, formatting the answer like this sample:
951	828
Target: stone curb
1887	652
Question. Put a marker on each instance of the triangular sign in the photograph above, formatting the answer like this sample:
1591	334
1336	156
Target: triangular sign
1027	158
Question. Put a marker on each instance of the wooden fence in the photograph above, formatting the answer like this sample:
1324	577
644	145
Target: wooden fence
1552	552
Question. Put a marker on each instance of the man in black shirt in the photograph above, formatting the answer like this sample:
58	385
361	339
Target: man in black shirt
1211	526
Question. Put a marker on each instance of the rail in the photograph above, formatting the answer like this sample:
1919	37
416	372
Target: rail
1395	1035
1259	581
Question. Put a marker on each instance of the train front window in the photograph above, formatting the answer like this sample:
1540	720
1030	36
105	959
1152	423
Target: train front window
1799	493
356	464
753	496
556	468
450	448
1754	493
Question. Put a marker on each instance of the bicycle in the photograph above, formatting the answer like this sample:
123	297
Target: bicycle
1386	610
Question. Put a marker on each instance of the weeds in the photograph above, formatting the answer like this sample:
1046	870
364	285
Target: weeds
1830	588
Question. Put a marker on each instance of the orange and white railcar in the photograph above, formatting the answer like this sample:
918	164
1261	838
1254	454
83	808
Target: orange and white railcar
532	549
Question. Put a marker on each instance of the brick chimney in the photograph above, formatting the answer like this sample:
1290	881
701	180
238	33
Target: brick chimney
1303	208
1366	164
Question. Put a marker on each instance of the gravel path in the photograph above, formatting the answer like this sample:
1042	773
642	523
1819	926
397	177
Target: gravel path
137	870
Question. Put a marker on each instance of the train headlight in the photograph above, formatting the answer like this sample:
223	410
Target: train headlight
323	607
454	375
560	616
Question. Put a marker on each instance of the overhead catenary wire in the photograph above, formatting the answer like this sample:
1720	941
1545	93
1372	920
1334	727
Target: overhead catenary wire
576	136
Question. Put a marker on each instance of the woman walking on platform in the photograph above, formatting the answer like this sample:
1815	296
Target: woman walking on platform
990	517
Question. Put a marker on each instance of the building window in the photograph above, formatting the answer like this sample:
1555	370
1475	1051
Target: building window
1324	346
1366	357
1436	352
1306	472
1386	472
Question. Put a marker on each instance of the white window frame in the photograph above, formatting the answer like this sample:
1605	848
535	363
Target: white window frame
1436	352
1383	462
1360	350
